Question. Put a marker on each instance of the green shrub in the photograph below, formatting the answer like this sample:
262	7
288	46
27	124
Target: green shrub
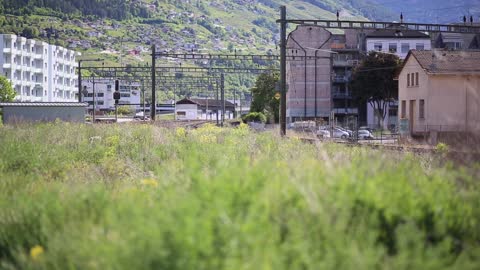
124	110
142	197
442	148
254	117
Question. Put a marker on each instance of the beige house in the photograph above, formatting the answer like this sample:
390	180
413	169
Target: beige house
439	93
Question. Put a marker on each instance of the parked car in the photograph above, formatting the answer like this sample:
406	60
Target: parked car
323	133
140	116
350	133
364	134
366	128
339	133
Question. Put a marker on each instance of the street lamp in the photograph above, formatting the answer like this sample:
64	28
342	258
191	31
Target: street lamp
80	75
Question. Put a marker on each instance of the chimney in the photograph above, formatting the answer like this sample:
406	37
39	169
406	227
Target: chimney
433	66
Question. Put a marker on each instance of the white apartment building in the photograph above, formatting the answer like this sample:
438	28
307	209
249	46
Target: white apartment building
398	42
38	71
130	94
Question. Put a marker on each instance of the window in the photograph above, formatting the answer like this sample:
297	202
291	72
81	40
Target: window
408	79
377	47
405	47
392	47
420	47
421	109
404	108
100	102
416	78
100	95
453	45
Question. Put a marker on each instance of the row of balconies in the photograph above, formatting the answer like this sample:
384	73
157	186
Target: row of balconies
34	84
23	68
15	51
38	55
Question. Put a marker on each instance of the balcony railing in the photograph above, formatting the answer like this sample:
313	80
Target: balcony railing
341	95
345	110
342	46
345	62
339	79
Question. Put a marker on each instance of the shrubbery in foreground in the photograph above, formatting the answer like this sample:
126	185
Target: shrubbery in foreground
141	197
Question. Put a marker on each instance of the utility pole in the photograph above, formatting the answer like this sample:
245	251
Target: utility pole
143	99
216	100
240	103
154	99
222	93
79	81
283	70
234	104
175	101
94	100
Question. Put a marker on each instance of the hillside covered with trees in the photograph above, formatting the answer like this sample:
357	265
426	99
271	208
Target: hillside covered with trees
115	9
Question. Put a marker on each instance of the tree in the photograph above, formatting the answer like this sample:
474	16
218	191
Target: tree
373	82
30	32
263	93
7	94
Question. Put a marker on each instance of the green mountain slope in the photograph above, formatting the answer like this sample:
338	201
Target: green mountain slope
121	25
122	31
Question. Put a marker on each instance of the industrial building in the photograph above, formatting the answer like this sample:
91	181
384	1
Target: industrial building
38	71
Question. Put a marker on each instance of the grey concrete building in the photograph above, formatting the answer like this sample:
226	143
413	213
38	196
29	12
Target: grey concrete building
318	72
309	73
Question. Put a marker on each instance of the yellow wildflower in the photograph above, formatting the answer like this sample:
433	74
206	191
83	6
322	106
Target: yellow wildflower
150	182
181	132
36	251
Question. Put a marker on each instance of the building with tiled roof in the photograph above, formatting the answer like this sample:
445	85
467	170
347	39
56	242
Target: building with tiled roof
202	108
439	92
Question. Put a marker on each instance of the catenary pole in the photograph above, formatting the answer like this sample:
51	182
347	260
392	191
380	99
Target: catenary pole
154	99
283	71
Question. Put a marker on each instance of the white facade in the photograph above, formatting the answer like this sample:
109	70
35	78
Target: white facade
130	93
398	46
186	112
37	70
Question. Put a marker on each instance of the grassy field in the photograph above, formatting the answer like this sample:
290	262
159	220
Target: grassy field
142	197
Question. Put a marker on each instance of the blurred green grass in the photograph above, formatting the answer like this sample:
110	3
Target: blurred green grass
142	197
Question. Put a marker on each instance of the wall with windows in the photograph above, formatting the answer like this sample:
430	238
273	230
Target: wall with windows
439	102
400	47
37	70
